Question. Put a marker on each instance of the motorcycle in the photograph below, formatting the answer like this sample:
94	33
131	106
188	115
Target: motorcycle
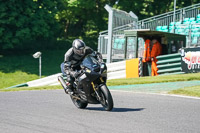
90	86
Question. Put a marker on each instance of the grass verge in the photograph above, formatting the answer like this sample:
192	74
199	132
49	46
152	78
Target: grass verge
32	88
187	91
156	79
17	77
17	69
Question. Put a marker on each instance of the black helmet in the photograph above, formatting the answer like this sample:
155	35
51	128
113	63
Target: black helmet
78	47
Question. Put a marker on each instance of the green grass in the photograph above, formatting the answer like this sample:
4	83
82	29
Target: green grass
17	77
156	79
188	91
17	69
33	88
51	61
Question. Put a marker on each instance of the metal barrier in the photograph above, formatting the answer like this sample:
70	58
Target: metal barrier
169	64
162	19
166	18
117	18
149	23
116	70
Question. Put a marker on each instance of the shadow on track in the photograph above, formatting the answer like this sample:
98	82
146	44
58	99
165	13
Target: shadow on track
127	109
116	109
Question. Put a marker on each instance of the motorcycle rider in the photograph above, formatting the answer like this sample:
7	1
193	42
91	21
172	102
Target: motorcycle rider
73	58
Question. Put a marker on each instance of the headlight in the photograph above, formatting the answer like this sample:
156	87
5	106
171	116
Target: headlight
88	71
102	66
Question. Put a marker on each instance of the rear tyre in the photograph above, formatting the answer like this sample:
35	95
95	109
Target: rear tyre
106	98
78	103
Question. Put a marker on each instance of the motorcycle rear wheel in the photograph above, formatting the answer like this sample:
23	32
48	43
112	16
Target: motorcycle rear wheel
78	103
106	98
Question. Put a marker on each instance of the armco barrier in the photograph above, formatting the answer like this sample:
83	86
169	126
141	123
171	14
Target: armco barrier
53	79
115	70
169	64
19	85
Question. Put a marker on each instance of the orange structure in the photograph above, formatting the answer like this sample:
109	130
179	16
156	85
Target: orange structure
132	68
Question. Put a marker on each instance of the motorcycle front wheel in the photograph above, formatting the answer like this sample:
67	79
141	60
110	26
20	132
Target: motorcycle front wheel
78	103
106	98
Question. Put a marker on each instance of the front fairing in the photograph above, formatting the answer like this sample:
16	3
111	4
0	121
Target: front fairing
92	75
93	68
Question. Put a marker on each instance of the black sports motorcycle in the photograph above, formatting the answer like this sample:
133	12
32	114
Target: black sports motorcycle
90	86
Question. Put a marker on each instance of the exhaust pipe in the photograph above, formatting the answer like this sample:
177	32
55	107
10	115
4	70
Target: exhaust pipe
63	83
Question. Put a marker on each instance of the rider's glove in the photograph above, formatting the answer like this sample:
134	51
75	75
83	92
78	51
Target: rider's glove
75	74
67	66
98	56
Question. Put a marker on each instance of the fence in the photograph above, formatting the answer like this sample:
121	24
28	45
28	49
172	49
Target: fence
150	23
117	18
166	18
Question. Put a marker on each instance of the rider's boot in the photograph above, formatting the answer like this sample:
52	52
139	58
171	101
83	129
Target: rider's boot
66	85
69	89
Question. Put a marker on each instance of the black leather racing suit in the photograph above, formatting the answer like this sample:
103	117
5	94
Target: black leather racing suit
72	63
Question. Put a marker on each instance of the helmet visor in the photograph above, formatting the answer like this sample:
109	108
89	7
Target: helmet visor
80	51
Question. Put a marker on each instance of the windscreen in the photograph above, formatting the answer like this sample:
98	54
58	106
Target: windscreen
89	62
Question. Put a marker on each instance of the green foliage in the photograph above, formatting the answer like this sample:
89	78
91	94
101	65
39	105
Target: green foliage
148	8
26	21
41	23
83	19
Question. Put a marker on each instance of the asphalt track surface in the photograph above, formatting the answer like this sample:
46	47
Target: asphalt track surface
52	111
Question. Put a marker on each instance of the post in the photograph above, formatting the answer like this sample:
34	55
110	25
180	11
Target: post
39	55
174	17
125	52
110	30
40	66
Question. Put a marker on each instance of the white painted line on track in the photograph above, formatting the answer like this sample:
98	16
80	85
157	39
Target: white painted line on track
163	94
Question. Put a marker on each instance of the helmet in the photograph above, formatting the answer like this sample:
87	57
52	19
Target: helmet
78	47
154	41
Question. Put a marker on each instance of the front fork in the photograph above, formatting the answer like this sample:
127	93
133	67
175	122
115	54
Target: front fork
96	89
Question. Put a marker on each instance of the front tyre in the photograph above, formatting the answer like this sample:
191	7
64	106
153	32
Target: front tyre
78	103
106	98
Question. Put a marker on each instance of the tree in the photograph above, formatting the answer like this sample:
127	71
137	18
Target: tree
24	21
148	8
84	19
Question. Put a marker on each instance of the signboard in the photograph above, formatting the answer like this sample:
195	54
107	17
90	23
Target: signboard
190	60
